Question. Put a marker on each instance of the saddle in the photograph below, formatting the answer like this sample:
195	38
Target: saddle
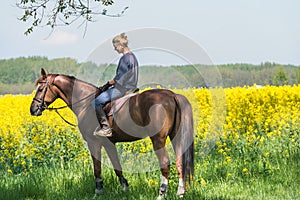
114	106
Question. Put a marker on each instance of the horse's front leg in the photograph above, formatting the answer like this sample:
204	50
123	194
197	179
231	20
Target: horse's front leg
113	156
95	150
97	174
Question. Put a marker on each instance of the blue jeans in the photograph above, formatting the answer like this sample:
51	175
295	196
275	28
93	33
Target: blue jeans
108	95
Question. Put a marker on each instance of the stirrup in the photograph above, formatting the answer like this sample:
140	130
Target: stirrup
103	132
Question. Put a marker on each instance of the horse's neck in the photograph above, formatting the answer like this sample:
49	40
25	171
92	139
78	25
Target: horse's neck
76	93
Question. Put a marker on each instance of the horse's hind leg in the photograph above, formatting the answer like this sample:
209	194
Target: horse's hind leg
164	162
178	153
113	156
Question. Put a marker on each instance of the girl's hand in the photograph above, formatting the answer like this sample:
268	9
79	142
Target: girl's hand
112	82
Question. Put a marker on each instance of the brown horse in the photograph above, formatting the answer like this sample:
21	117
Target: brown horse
156	113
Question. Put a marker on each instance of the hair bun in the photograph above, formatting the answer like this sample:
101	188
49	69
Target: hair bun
123	35
121	39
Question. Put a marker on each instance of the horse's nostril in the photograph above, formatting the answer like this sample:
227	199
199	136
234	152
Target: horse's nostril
35	110
32	110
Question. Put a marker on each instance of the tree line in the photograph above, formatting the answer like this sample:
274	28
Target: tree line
18	75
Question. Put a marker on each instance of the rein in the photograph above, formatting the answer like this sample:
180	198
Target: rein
56	111
68	106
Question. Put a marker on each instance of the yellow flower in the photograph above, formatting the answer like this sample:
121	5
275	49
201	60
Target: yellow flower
152	182
206	163
254	119
228	175
228	159
221	151
245	171
266	153
203	182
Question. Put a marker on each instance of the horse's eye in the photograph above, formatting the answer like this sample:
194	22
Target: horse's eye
40	88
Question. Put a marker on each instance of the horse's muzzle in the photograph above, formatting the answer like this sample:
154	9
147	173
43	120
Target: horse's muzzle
36	110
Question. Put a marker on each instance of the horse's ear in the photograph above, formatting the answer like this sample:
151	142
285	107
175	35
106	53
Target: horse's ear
43	73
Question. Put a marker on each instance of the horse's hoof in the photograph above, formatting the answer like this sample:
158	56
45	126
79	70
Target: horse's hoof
160	197
180	191
98	192
162	191
124	184
99	187
125	188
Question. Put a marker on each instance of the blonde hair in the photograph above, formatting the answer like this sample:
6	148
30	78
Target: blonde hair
121	40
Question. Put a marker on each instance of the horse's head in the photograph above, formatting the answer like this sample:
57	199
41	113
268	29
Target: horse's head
45	93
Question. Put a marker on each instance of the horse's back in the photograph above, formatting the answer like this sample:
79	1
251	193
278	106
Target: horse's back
145	115
156	96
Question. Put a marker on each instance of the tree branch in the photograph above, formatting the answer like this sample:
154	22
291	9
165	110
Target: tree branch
41	13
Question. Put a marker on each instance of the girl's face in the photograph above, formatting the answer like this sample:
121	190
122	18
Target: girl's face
119	48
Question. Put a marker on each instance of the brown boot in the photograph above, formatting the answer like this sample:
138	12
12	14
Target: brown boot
103	129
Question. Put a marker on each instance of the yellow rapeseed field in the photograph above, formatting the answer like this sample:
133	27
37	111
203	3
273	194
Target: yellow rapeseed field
239	125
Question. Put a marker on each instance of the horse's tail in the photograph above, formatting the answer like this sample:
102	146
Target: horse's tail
185	136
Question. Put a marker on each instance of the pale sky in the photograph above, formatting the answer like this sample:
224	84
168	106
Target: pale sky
231	31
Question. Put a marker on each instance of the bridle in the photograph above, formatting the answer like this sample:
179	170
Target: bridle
42	104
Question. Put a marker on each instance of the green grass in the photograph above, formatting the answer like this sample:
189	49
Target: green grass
76	181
